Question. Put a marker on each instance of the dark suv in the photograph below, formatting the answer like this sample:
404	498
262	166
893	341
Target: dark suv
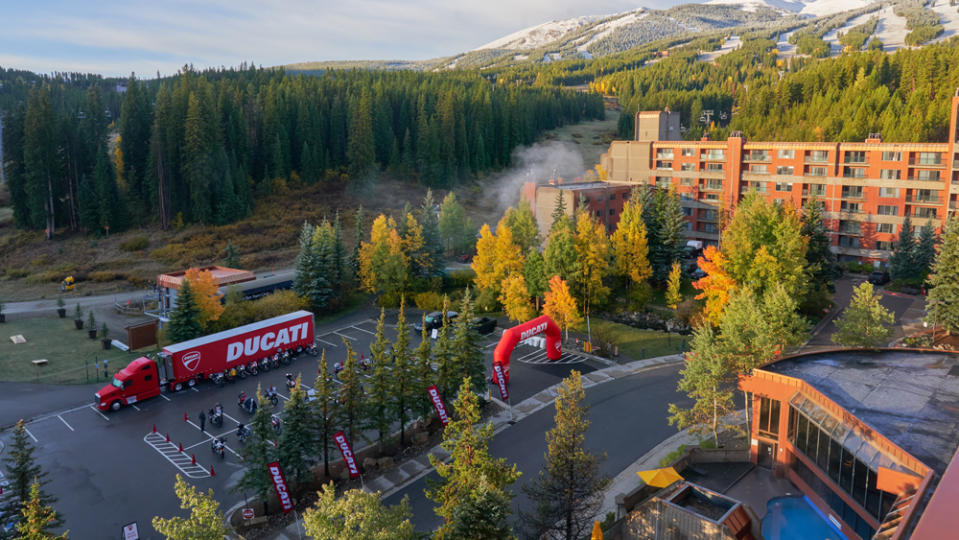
483	325
435	320
879	277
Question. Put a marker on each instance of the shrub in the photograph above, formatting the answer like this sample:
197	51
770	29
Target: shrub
428	301
486	301
136	243
460	279
389	300
17	273
104	276
44	277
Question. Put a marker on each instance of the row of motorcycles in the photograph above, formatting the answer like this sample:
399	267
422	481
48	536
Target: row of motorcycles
248	404
264	364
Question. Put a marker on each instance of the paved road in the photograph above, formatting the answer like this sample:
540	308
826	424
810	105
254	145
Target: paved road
628	419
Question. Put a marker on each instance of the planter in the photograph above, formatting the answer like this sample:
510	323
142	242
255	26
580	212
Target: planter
62	312
92	332
78	323
106	343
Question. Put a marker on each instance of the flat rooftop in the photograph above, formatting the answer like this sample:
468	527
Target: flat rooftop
576	186
910	397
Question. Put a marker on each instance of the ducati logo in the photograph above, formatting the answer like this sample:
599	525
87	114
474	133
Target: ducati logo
191	360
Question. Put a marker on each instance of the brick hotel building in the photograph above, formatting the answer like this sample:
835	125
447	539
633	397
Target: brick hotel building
867	187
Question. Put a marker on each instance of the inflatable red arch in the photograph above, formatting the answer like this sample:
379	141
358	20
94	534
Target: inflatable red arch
539	325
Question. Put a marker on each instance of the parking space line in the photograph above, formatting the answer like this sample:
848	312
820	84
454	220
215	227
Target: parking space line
164	397
94	409
361	330
194	389
346	336
65	423
327	342
30	434
134	405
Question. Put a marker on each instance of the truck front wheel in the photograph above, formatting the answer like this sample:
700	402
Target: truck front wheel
116	406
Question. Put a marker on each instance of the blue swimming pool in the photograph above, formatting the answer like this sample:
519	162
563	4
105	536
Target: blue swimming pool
795	518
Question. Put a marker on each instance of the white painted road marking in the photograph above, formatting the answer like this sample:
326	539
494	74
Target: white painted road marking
346	336
135	406
65	423
94	409
30	434
327	342
172	453
164	397
362	330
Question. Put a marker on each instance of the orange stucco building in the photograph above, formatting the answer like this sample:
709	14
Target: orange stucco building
867	187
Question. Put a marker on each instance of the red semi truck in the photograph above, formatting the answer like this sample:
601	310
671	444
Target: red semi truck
186	363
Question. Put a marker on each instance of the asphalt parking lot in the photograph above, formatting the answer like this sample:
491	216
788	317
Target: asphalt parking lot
111	469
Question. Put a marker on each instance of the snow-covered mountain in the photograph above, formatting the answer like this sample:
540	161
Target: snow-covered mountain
816	8
541	34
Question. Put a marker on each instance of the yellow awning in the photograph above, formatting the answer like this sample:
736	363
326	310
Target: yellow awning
660	478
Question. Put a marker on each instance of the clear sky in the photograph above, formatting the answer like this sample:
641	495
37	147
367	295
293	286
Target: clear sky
115	37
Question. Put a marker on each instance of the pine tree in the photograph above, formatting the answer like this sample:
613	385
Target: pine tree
359	225
231	255
205	521
455	228
357	515
821	259
425	376
560	253
324	413
569	492
258	452
295	448
350	394
708	380
467	346
22	472
37	517
673	295
534	273
863	322
337	269
559	214
378	414
446	368
470	464
943	302
483	512
432	240
360	148
902	258
184	322
404	384
668	247
924	251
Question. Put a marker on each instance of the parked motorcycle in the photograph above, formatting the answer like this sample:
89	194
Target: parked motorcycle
219	447
275	361
264	364
216	415
241	372
242	433
252	369
218	379
276	425
286	357
272	396
311	348
247	403
290	381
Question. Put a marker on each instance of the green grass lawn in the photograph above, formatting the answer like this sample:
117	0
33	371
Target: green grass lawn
635	343
70	353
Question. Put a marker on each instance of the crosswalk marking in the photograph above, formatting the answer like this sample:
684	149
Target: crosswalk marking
539	357
172	453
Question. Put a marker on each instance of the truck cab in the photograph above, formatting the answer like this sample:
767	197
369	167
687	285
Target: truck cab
136	382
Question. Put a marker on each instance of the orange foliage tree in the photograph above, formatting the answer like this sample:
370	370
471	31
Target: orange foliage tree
206	294
560	305
717	286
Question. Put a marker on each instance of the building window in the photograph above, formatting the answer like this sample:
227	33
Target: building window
892	156
848	242
887	210
818	156
816	171
713	183
925	213
708	215
612	211
664	153
687	166
849	207
927	175
714	167
786	154
710	197
890	174
855	157
814	189
769	417
930	158
714	154
756	155
759	169
784	169
688	152
687	211
708	228
784	186
890	192
886	228
664	164
853	172
883	245
599	213
685	181
852	192
850	227
662	181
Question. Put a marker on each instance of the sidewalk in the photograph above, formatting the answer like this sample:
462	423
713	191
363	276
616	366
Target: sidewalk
414	469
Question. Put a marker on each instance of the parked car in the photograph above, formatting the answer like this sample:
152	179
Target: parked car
879	277
483	325
435	320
